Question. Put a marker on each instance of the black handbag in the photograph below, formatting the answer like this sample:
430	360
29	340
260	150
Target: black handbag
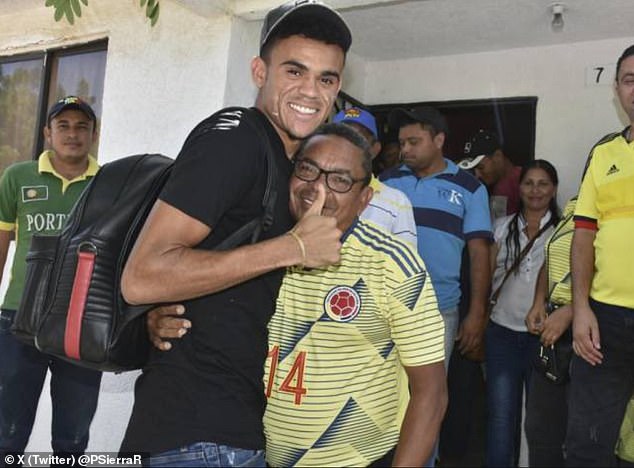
553	361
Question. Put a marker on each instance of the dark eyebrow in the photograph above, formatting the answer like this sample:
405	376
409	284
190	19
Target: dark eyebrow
330	73
294	63
301	66
334	171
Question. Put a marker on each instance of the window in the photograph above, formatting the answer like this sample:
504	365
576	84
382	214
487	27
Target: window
30	84
19	95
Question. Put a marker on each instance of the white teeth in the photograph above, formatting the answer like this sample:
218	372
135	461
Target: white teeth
302	109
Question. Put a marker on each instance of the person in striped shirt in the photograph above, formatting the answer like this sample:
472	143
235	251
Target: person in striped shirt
451	210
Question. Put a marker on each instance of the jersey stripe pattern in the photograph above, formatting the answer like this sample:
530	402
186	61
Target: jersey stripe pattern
337	345
558	257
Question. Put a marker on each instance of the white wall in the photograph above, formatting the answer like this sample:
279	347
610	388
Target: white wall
161	81
571	115
245	37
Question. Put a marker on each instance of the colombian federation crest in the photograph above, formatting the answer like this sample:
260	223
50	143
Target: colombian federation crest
342	304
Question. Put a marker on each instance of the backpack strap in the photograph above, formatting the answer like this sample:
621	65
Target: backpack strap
262	223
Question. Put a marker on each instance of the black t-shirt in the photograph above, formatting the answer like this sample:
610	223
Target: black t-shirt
208	387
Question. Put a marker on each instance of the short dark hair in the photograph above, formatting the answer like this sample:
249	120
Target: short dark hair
433	131
349	134
629	52
308	28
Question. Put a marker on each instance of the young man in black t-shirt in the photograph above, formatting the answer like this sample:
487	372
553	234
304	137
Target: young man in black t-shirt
203	402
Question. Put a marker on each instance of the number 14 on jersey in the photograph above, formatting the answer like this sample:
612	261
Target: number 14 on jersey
293	382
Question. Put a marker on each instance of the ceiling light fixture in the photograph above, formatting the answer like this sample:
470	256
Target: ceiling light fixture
557	9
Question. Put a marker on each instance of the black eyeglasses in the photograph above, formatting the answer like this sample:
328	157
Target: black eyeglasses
336	181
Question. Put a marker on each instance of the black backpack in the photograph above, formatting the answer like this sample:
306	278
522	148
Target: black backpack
71	305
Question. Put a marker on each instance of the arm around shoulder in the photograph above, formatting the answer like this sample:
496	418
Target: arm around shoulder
165	266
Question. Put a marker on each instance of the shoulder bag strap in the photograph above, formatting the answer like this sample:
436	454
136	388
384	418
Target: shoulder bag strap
516	262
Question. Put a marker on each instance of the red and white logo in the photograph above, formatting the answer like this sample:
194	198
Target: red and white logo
342	304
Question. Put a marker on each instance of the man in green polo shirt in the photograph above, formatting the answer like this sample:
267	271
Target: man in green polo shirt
36	197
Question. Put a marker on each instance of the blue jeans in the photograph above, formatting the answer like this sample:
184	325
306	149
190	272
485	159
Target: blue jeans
599	394
509	361
74	393
207	454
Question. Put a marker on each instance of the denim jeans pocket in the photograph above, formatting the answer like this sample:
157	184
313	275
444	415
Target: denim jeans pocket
207	454
230	456
177	457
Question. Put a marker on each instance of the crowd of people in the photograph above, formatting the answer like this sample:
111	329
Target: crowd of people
327	341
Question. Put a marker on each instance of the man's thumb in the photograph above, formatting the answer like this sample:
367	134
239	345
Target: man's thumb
318	204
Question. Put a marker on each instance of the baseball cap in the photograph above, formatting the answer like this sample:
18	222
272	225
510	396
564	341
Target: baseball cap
358	116
470	163
312	10
70	102
427	115
479	146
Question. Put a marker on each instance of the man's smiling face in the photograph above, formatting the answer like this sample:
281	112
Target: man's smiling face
332	153
298	82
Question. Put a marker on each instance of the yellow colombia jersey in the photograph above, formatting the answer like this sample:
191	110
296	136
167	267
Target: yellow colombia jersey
606	198
337	391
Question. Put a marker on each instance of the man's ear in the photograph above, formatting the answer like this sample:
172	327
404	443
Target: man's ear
498	154
439	140
365	197
376	148
258	71
95	135
47	134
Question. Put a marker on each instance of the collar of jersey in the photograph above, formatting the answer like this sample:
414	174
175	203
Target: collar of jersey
349	230
343	239
44	165
375	184
450	168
